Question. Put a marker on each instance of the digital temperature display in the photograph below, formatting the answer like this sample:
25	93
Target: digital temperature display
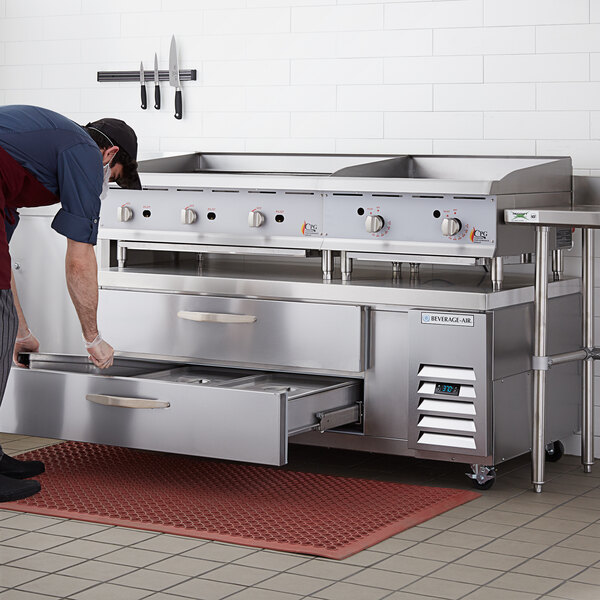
450	389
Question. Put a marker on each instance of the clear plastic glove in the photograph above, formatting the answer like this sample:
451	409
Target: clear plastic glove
101	353
27	343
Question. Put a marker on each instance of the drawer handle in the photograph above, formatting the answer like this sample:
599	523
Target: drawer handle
207	317
124	402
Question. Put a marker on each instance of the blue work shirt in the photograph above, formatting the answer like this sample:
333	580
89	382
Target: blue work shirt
64	159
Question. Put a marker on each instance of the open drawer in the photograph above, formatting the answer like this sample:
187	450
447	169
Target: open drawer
203	411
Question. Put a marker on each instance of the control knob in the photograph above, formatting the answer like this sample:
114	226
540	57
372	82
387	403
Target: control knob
124	213
374	223
188	216
255	218
450	226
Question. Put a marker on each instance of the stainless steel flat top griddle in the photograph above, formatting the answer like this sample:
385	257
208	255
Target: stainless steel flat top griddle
414	209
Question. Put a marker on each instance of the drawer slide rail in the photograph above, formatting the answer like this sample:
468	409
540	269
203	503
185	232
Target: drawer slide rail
335	417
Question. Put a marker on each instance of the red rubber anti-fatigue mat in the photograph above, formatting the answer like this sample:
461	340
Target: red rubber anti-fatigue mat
244	504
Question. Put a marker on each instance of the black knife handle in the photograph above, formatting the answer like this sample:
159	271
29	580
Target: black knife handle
178	105
144	99
157	97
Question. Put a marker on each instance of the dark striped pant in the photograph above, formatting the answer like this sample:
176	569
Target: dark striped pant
8	332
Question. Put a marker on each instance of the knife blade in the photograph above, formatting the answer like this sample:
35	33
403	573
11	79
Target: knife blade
174	78
143	86
156	84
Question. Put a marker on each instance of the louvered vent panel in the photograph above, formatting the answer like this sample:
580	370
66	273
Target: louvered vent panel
446	420
450	441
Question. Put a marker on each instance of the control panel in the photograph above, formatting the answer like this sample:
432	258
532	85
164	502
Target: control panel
231	215
412	223
427	224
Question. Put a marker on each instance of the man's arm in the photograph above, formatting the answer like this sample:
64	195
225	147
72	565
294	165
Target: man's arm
82	282
26	341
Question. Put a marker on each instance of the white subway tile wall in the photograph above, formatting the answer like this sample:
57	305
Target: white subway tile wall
567	38
517	77
535	12
434	69
338	18
337	71
567	96
537	67
483	96
434	15
484	40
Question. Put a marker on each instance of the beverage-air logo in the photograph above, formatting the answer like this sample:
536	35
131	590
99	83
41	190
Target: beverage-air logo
477	236
451	319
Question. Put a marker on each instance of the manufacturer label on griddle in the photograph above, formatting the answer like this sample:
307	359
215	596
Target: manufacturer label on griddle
527	216
447	319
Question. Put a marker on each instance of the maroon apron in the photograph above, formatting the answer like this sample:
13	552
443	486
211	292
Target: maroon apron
18	188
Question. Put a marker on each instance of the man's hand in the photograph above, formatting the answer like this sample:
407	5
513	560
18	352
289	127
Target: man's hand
101	353
82	281
27	343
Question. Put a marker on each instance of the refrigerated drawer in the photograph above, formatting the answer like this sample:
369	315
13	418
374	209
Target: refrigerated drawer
235	330
217	413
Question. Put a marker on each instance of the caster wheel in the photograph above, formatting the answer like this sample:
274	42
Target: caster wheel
486	485
555	451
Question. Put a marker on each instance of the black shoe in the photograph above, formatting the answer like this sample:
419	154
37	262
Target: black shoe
20	469
11	489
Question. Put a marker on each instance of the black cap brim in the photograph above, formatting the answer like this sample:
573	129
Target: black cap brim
133	183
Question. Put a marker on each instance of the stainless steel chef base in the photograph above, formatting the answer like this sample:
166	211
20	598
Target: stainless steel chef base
396	362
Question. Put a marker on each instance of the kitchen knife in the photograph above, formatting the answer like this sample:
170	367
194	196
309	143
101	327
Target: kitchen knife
156	84
174	78
143	86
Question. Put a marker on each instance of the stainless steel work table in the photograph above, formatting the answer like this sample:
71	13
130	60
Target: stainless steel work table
586	217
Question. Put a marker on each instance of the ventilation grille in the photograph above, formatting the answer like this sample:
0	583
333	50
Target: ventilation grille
450	441
443	373
446	420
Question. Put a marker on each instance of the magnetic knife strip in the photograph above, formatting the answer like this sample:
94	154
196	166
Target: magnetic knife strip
184	75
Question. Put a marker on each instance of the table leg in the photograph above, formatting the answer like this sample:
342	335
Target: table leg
538	454
587	425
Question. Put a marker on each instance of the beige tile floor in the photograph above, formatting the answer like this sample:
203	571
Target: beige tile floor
510	544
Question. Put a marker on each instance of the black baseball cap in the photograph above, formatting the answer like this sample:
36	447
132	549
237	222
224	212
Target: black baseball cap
120	134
